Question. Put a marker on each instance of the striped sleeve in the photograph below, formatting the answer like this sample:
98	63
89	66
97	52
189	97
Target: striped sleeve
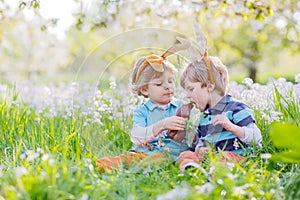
242	115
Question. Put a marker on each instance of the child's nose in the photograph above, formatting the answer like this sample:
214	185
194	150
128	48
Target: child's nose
168	85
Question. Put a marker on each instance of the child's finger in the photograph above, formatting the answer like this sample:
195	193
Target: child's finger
220	119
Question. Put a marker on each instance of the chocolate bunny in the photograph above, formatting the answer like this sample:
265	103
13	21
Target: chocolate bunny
184	111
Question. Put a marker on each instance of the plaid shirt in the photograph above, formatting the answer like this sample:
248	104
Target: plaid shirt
216	136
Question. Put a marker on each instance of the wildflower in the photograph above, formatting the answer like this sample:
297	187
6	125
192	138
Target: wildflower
42	175
280	164
74	84
177	193
297	78
281	80
31	155
48	91
220	181
231	176
230	165
15	103
45	157
272	191
211	170
112	84
1	168
87	164
23	156
265	156
276	116
39	150
97	121
91	167
51	161
37	119
87	161
20	171
240	190
84	197
223	193
205	188
98	94
248	82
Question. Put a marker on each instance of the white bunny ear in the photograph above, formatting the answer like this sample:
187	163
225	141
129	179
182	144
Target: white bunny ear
183	44
200	39
202	46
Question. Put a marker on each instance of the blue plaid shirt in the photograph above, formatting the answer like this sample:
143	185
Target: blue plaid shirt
237	112
149	113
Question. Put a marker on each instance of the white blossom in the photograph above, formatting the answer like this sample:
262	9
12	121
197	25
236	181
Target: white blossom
20	171
112	84
220	181
297	78
45	157
205	188
248	82
84	197
177	193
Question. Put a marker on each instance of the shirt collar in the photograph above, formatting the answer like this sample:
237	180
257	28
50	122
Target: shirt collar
219	107
151	106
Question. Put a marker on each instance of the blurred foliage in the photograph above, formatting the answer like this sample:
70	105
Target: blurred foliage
252	35
288	105
286	136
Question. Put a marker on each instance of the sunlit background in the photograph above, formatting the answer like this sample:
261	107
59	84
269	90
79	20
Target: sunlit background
65	100
54	41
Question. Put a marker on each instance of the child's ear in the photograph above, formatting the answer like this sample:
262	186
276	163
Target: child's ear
210	87
144	91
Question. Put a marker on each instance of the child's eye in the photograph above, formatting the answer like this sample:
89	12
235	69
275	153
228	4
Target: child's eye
190	89
171	81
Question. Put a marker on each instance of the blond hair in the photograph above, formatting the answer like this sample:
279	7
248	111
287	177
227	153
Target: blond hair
148	74
196	71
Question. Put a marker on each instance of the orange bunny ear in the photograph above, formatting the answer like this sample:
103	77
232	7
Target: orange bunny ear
202	45
156	61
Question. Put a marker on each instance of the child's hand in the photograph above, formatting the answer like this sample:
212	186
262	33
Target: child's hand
201	151
174	123
177	136
224	121
229	126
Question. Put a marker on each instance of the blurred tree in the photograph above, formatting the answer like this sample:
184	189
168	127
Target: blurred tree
28	52
261	37
243	28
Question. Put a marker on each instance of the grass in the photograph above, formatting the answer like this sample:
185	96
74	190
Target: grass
46	155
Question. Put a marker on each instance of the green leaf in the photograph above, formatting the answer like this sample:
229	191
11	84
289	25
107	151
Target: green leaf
287	157
22	5
286	136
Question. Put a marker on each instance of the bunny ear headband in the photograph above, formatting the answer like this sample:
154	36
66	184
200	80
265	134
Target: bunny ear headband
202	50
156	62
